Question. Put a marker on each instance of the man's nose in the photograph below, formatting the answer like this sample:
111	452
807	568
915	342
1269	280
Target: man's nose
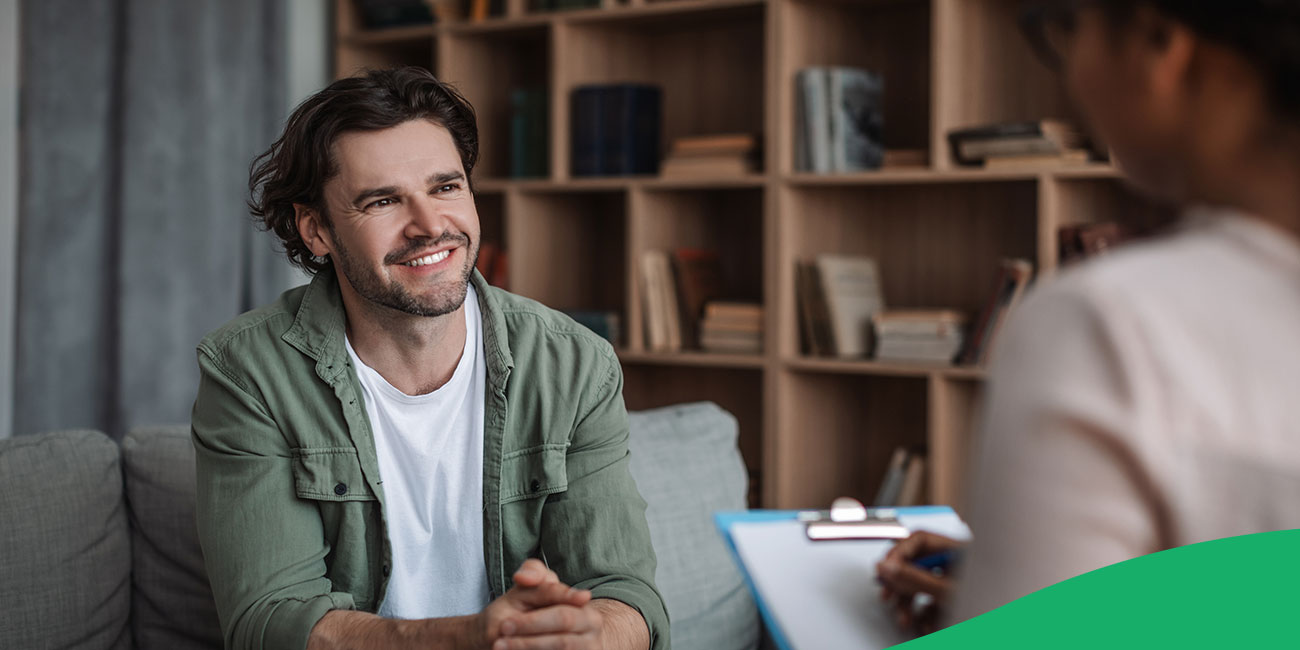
425	219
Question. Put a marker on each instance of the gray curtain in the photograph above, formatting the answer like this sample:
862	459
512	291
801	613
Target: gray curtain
138	122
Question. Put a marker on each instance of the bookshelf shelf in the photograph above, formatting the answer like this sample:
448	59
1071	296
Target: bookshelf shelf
882	369
811	429
392	35
692	359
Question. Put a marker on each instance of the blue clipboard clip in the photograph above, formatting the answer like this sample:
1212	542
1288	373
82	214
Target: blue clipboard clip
848	519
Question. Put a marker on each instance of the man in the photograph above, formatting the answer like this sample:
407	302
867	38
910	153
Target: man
379	450
1146	400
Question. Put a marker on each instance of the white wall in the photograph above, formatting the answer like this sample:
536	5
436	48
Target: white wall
8	208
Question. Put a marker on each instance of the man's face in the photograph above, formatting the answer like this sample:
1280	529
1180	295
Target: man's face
1126	80
401	226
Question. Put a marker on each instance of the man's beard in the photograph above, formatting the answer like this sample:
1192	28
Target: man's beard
389	293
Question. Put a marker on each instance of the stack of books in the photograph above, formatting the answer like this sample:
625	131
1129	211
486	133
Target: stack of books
733	327
924	336
1045	143
712	156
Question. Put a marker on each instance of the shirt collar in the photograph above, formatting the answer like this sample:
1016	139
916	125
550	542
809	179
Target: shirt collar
318	328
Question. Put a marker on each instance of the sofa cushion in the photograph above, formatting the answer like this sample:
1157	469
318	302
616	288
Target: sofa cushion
65	553
171	603
687	466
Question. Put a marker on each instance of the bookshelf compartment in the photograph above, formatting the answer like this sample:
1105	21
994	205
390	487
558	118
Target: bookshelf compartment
935	246
488	68
567	249
891	39
1080	201
726	221
839	439
986	72
684	58
953	406
738	391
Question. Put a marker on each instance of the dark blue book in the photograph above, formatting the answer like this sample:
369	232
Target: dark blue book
529	133
616	129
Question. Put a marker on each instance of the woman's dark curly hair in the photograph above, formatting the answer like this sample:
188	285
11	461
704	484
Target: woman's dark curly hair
1265	32
297	166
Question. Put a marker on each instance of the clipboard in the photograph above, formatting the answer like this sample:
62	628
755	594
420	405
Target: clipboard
815	595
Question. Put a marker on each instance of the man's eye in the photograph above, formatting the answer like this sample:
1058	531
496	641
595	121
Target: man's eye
450	187
380	203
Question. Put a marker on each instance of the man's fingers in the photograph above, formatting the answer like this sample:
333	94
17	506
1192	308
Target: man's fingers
532	573
548	642
552	593
558	619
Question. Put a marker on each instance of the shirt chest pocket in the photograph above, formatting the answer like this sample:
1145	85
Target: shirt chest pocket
329	474
534	472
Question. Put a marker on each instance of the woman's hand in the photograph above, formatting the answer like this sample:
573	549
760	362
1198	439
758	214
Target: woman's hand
904	583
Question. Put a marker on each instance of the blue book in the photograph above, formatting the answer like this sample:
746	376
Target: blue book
616	129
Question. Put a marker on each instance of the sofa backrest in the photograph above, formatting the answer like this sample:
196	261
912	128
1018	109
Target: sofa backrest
687	466
65	551
171	602
684	460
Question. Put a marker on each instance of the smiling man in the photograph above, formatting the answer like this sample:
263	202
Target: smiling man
398	455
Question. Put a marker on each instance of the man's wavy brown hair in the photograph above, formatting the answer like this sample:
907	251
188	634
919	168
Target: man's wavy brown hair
297	166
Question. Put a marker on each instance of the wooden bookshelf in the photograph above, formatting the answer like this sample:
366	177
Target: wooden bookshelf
811	428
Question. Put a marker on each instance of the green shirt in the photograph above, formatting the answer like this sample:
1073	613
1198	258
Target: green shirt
291	503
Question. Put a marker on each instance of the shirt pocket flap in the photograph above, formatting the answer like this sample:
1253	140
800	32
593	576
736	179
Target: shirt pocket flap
329	474
534	472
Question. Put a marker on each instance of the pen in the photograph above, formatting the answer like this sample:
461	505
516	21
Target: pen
941	560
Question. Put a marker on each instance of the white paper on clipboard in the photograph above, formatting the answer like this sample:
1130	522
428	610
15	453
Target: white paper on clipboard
824	595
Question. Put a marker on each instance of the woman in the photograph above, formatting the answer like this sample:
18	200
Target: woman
1149	400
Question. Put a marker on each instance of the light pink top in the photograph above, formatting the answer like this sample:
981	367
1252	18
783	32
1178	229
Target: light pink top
1146	400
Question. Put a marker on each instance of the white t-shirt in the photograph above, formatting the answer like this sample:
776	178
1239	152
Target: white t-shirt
430	450
1147	400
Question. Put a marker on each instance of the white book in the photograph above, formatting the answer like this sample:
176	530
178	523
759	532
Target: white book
852	288
813	85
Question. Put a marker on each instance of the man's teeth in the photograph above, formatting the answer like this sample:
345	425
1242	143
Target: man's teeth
429	259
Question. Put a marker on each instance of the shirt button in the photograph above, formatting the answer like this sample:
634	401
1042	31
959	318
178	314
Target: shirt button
535	485
341	489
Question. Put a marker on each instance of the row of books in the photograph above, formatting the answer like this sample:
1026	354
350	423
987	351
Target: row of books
839	113
723	155
842	313
683	305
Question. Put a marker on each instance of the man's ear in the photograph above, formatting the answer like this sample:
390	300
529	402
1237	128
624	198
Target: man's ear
1169	49
311	227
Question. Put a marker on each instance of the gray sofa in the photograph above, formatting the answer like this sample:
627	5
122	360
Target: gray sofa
98	547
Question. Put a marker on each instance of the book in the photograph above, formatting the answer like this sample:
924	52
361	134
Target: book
710	166
729	309
919	322
851	285
905	158
972	146
715	145
662	313
699	280
816	330
652	307
735	342
616	129
813	132
382	14
1012	279
1071	157
913	489
529	133
892	484
919	349
857	119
